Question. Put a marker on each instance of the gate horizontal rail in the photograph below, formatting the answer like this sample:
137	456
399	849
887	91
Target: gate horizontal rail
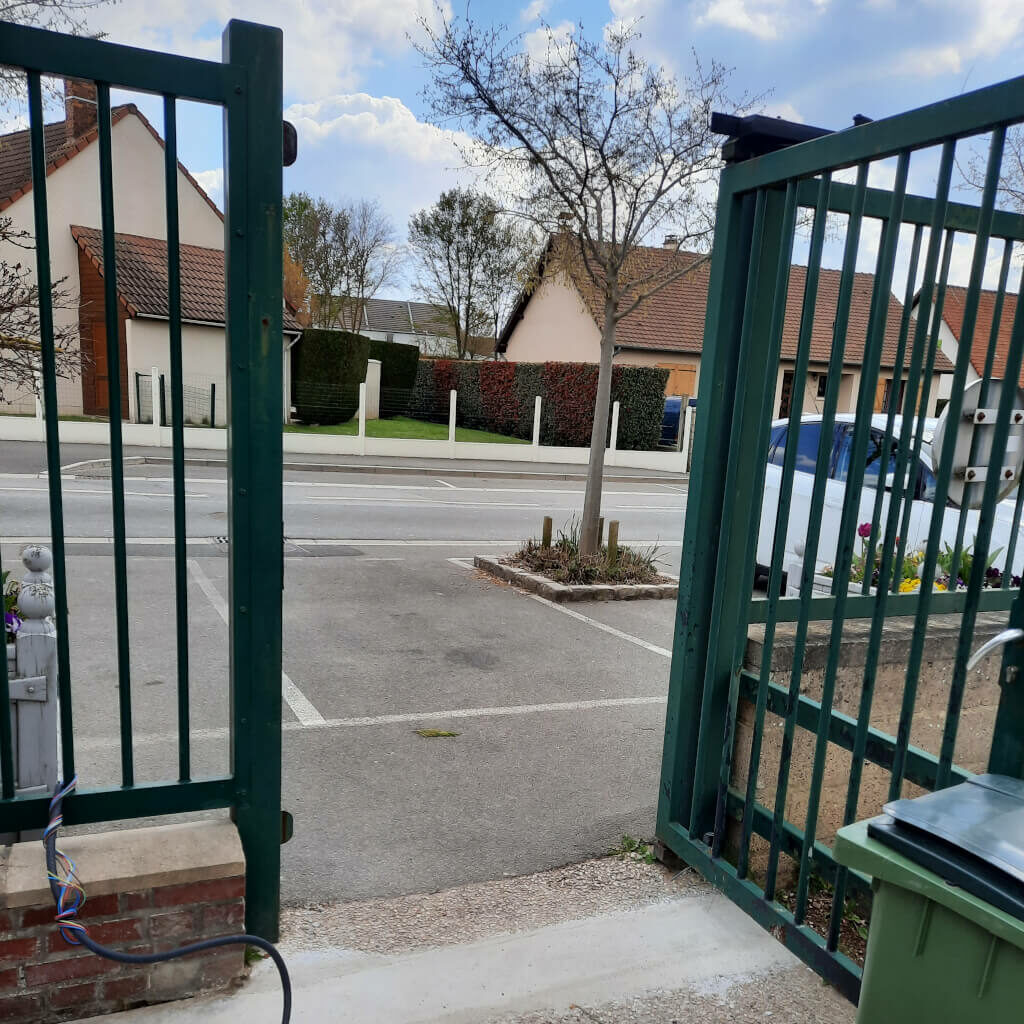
873	512
247	85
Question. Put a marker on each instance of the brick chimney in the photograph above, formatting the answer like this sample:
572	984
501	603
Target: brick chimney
671	242
79	107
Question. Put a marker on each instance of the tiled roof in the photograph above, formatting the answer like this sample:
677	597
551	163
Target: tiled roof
953	314
16	159
672	319
399	316
142	276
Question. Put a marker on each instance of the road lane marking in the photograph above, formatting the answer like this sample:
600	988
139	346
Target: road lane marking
464	563
370	721
91	492
296	699
373	542
444	483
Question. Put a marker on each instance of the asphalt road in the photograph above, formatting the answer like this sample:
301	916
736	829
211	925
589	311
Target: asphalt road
387	629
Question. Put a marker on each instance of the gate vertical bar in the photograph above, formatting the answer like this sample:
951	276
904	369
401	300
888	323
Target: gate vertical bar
252	230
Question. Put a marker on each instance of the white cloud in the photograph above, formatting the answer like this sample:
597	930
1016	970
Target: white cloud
534	10
786	111
763	19
542	41
327	46
212	183
986	29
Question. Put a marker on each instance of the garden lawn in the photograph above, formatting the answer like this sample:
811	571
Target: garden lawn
404	426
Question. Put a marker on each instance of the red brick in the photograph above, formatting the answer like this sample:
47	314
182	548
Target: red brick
73	995
221	970
27	1007
213	891
225	919
130	987
100	906
31	917
136	900
6	921
64	970
109	933
180	925
8	979
18	949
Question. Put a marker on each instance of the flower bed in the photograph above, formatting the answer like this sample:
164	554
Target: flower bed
12	619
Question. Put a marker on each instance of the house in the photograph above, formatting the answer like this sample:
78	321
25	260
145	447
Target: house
951	330
422	324
559	320
73	203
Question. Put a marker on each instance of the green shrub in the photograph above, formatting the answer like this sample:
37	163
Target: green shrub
329	366
398	368
469	408
640	392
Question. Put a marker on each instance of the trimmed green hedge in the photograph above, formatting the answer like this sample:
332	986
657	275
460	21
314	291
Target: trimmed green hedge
328	368
500	397
398	367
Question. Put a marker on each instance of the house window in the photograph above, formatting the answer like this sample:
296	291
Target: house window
822	384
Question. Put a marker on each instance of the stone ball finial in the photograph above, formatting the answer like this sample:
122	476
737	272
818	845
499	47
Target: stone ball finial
36	558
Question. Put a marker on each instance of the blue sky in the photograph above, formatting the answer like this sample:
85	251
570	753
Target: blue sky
352	78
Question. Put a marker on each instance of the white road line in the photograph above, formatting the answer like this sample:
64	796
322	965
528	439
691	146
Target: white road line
370	721
444	483
604	627
320	542
297	701
106	494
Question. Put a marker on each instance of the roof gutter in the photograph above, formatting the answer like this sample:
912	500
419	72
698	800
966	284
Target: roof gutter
288	331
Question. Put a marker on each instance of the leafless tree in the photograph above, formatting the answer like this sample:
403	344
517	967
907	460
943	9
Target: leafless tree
20	333
371	258
1011	172
595	147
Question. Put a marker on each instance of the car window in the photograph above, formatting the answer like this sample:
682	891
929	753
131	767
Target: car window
807	447
926	484
777	446
873	463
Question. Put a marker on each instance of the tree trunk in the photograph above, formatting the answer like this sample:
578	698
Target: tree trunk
598	436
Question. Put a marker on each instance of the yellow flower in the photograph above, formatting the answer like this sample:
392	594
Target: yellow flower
908	586
940	586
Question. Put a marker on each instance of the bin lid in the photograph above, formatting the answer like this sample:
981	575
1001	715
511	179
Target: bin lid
983	817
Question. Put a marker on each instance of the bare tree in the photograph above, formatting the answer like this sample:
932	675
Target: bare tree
20	333
315	233
370	258
1011	171
472	261
597	148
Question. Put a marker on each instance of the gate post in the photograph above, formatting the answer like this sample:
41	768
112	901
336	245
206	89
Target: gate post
726	481
252	236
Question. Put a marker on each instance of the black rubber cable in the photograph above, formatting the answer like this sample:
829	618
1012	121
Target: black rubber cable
50	843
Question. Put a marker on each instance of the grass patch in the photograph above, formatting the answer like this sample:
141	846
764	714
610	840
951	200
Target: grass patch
563	563
405	426
434	734
633	849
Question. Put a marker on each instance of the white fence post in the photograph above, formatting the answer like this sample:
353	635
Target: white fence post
154	382
614	439
453	397
39	406
687	427
536	428
33	685
362	418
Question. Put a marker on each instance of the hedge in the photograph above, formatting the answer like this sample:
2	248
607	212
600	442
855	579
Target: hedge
398	367
329	366
499	396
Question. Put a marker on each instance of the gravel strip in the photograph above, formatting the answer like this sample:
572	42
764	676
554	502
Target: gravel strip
473	912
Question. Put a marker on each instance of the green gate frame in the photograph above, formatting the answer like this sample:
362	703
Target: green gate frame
756	219
247	84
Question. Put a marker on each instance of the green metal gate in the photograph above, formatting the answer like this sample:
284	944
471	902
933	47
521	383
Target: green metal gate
247	84
712	807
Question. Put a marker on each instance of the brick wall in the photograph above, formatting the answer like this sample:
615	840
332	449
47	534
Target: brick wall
43	979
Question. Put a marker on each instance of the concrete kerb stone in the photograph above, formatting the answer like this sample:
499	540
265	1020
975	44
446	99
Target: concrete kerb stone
560	593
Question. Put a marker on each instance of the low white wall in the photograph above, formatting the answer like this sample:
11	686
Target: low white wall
24	428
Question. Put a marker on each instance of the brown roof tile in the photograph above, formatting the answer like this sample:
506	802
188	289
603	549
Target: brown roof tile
953	314
142	276
672	319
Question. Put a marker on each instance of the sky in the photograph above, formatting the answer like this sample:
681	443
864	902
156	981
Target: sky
353	81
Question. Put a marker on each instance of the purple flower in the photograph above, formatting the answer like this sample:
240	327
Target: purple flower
1015	581
864	530
12	622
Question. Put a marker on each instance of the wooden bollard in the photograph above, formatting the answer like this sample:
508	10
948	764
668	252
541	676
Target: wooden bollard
545	539
600	531
613	542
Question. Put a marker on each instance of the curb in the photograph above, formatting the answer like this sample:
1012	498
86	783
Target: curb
330	467
559	593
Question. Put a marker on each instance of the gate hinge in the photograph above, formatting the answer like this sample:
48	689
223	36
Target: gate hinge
27	688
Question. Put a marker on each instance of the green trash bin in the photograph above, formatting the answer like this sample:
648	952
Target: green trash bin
946	941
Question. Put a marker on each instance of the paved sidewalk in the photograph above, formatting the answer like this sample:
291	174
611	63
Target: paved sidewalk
611	941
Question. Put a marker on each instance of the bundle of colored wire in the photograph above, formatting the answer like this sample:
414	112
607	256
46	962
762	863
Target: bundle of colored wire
69	896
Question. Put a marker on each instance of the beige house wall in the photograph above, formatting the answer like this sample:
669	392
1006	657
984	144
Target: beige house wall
73	197
556	325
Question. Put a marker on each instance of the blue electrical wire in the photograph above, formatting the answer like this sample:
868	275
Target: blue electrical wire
69	896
